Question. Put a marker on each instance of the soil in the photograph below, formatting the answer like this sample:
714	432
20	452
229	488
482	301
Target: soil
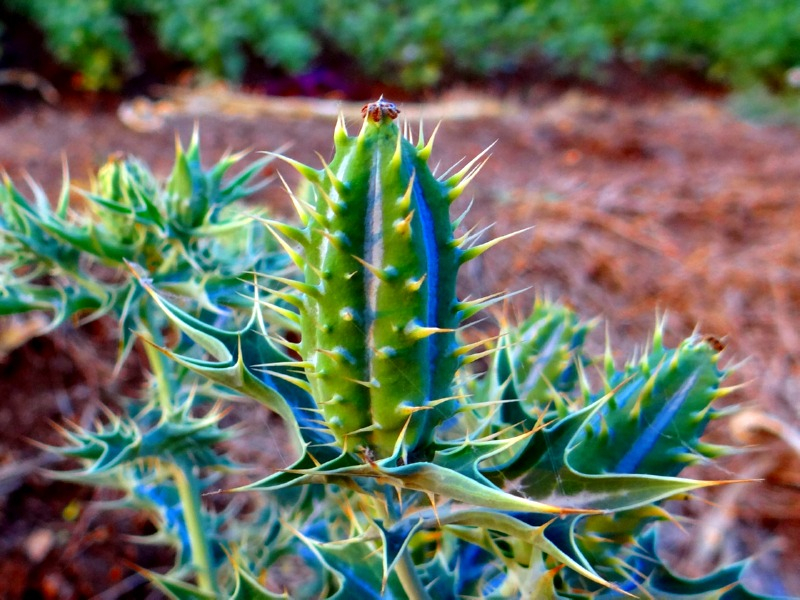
643	203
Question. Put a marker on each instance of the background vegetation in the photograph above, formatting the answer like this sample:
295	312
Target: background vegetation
420	43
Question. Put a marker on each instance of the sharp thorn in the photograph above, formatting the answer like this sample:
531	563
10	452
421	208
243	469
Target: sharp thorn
476	251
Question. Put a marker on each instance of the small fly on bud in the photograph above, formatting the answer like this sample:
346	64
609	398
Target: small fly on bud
380	109
368	454
715	343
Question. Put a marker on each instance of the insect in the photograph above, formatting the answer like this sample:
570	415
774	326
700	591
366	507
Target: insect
380	109
714	342
368	454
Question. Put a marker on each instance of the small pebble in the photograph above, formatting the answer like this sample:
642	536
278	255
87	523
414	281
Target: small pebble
38	544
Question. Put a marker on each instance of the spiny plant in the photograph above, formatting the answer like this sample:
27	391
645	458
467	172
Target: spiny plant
417	474
81	261
181	235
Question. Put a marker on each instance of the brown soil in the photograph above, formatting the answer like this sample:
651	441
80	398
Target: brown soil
668	203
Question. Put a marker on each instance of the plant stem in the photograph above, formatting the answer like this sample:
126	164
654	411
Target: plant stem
185	481
407	573
162	381
404	567
189	493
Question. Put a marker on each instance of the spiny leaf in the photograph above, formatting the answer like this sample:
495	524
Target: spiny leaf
357	570
177	589
541	469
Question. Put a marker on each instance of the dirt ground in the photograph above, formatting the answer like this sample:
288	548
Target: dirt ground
666	203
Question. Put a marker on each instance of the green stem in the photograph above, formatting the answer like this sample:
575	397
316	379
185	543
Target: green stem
404	567
189	493
407	573
185	481
163	382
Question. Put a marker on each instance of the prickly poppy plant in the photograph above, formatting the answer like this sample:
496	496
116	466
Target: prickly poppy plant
425	466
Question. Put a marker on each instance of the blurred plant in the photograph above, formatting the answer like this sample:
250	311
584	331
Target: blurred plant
89	36
183	237
215	36
761	106
420	40
416	476
92	38
415	44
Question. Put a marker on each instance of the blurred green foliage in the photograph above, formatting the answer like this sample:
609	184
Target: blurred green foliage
87	35
737	42
215	35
